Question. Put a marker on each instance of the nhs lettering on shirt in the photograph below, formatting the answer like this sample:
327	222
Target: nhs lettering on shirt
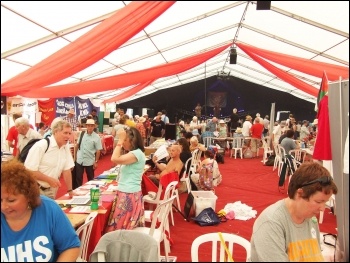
24	252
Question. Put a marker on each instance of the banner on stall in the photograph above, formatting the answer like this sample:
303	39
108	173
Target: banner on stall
63	105
47	109
23	105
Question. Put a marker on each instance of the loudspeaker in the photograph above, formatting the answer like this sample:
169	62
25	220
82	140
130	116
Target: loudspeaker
170	131
263	5
233	56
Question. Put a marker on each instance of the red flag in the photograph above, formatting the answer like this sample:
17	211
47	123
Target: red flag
323	90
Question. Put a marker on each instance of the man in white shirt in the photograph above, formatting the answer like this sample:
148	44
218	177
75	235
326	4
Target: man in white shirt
48	166
164	118
25	133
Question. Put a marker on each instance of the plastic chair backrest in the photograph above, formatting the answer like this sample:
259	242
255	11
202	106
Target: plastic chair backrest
237	142
161	215
214	238
281	150
84	233
125	246
208	141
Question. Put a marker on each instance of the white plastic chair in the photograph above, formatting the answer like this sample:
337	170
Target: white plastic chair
125	246
169	192
214	238
299	157
208	141
158	225
84	232
185	177
237	147
267	150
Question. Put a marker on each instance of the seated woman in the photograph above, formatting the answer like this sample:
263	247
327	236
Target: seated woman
33	226
194	144
208	174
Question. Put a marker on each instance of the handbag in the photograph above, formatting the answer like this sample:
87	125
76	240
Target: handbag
207	217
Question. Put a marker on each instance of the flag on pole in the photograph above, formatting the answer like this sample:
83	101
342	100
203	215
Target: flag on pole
323	90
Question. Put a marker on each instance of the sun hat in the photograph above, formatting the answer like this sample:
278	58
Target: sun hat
222	121
71	111
90	121
315	122
239	130
142	119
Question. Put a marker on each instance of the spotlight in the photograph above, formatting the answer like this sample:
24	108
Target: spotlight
263	5
233	56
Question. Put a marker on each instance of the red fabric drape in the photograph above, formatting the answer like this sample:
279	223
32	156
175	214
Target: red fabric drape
323	149
281	74
323	90
129	92
48	110
89	48
307	66
124	80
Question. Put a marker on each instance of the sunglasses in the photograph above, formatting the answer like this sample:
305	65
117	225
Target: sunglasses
324	180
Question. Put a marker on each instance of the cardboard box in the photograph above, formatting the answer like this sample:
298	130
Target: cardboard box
203	199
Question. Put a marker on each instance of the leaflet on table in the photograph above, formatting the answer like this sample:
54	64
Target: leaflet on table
162	152
96	182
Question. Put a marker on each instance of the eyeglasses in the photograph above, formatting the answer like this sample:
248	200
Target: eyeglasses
324	180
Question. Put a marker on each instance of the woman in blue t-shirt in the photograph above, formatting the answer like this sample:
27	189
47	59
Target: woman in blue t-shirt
33	227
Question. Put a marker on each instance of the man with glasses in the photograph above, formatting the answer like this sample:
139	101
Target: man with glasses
288	229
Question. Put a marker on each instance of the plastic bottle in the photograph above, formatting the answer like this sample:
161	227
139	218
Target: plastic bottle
95	197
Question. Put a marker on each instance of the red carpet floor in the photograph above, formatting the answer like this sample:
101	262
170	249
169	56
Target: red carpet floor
245	180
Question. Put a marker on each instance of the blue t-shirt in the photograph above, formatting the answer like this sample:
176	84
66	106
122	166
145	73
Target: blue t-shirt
131	174
47	234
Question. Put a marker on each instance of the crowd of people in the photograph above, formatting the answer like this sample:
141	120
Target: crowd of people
28	189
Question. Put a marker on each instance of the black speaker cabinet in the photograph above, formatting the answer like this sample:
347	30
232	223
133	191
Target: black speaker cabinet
263	5
233	56
170	131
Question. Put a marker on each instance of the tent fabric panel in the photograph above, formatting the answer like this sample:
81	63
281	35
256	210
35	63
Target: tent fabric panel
97	43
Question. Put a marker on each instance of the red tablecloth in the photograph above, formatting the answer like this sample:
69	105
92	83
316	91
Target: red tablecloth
107	143
99	223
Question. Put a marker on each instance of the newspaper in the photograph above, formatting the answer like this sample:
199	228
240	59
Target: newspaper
161	152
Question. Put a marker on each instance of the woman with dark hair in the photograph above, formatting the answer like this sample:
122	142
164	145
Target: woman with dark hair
32	224
127	210
185	152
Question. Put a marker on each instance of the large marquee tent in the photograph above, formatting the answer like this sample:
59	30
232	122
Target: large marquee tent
119	51
171	44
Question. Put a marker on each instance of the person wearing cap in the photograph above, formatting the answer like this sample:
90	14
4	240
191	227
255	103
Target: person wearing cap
70	117
141	127
247	124
288	230
88	150
222	129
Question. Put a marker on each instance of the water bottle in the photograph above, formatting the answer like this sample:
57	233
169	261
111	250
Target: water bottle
95	197
302	145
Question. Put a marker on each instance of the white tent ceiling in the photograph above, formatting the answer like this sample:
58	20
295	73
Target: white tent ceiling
33	30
